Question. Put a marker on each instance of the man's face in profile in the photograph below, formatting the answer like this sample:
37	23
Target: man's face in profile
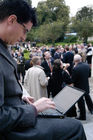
16	32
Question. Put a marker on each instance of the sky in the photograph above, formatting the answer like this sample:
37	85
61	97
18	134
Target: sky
74	5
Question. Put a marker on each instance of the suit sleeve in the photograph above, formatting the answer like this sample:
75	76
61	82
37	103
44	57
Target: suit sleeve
64	58
66	78
16	116
74	75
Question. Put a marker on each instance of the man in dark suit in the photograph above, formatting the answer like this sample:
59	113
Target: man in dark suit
80	77
57	54
28	62
19	120
47	65
68	58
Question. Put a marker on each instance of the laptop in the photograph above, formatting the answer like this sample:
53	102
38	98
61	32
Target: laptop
64	101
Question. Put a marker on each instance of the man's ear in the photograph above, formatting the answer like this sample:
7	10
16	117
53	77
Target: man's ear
12	19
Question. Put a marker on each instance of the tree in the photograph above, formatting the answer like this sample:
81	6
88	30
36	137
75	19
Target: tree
59	10
51	11
31	36
49	32
86	13
53	18
43	14
82	23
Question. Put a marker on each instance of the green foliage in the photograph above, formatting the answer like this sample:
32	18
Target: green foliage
86	13
60	43
83	23
52	10
31	36
71	39
25	51
56	44
53	18
26	54
50	32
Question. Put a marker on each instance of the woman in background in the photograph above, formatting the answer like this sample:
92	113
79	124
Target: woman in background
59	77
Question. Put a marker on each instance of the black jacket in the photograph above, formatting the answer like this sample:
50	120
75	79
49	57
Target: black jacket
68	58
46	67
80	76
58	80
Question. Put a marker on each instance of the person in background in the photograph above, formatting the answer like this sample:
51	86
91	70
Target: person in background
57	54
35	81
19	120
28	62
68	58
21	67
47	65
89	54
80	75
59	77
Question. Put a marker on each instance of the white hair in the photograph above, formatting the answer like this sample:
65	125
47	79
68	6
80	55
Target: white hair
77	58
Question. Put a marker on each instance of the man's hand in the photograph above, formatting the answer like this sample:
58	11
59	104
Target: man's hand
66	66
43	104
29	99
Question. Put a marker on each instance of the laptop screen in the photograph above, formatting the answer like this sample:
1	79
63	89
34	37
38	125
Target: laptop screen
66	98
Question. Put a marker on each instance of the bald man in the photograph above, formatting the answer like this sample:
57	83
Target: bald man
80	77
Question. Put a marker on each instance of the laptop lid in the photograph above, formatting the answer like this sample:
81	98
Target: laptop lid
66	98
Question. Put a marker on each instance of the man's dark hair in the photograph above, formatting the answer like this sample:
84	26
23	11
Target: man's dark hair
67	48
20	8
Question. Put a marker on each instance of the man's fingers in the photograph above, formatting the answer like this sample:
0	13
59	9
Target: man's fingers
31	99
27	100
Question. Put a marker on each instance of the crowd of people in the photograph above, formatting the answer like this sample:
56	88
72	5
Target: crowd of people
49	69
58	52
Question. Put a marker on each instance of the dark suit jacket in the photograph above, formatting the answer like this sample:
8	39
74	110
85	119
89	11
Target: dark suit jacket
58	80
14	113
68	58
80	76
57	55
46	68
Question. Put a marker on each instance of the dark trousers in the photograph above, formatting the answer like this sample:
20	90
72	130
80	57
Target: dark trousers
72	112
2	137
21	74
89	102
51	129
81	105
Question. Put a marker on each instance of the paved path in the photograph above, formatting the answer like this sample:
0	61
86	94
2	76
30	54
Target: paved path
88	124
